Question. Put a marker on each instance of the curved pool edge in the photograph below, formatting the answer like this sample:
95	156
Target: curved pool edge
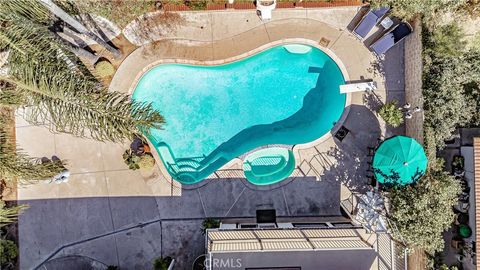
238	161
239	57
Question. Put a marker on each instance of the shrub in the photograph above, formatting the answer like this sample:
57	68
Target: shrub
210	223
423	211
8	252
104	69
162	263
392	115
451	82
131	160
444	41
196	4
146	162
407	9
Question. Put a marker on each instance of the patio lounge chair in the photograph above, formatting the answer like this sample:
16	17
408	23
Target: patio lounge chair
368	22
391	38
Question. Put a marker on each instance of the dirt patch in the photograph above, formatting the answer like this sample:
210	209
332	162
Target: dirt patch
119	42
417	260
8	189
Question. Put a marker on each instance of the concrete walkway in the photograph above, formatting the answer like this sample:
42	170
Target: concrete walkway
127	218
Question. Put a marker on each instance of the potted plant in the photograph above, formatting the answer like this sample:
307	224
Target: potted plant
391	114
144	162
139	156
458	165
139	146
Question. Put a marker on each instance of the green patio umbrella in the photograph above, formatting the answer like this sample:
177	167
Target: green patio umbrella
399	160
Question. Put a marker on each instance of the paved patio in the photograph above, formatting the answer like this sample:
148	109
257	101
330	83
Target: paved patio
127	218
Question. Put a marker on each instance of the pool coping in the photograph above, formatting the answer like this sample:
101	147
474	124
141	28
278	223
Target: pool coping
297	147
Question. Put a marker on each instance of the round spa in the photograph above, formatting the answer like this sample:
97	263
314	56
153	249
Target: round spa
268	166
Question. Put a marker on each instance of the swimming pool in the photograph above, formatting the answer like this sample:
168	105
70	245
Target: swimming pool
217	113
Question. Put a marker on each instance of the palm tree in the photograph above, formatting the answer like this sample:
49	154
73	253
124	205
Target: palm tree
64	16
35	13
392	115
60	92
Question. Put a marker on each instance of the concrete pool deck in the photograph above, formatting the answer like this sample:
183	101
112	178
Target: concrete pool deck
127	218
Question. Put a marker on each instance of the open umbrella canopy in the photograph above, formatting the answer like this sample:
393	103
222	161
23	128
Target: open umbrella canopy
399	160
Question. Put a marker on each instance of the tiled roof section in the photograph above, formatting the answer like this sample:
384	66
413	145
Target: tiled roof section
231	235
279	234
301	244
284	239
235	245
330	233
339	244
476	161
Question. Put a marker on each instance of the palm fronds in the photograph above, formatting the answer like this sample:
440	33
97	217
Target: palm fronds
30	9
67	104
9	214
58	89
16	165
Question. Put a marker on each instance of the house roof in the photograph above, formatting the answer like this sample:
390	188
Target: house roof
303	248
284	239
363	259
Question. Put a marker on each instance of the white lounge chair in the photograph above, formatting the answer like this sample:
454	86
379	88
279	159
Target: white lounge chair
357	87
265	7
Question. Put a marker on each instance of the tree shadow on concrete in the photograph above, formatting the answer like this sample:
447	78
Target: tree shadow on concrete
348	161
373	102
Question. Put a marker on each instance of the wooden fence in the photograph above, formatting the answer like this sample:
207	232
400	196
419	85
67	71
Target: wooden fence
251	5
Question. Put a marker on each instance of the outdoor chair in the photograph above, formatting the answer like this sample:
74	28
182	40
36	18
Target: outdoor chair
368	22
390	39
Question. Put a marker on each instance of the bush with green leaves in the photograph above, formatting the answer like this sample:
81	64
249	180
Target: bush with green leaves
8	253
430	9
104	69
391	114
451	81
144	162
422	211
444	41
162	263
210	223
196	4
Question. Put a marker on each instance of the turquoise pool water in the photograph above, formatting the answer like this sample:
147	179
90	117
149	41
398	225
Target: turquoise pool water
269	165
217	113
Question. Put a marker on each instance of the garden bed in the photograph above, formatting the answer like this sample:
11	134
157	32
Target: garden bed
221	5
